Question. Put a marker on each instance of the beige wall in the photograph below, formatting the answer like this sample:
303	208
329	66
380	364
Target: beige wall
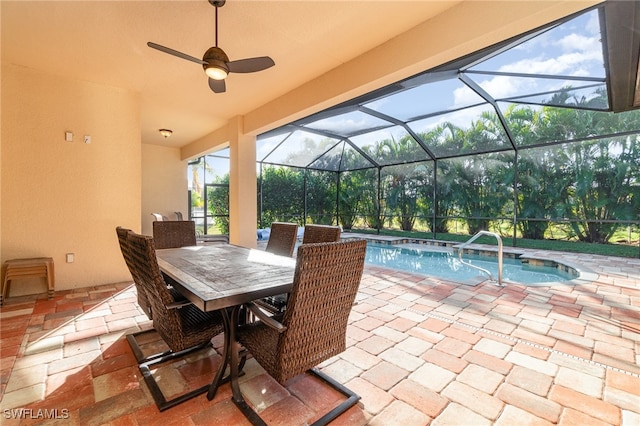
63	197
164	184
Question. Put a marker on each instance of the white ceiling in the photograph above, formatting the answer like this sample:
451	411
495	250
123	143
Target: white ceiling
105	42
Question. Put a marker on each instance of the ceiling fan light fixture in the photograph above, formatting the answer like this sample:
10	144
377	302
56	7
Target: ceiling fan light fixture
216	71
215	65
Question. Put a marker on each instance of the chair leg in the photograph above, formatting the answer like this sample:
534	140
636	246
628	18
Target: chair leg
156	392
254	418
352	398
146	362
251	415
137	350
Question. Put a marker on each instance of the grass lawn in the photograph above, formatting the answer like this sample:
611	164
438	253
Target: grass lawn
621	250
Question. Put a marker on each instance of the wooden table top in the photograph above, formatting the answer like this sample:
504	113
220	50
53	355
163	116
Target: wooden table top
223	275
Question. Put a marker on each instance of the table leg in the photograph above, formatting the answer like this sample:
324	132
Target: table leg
235	347
237	398
226	354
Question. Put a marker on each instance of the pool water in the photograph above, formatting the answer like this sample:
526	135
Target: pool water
447	265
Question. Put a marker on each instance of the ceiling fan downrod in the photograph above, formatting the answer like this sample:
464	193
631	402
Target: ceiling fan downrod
217	4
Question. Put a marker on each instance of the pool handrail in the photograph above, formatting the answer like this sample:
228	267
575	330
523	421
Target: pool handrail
472	239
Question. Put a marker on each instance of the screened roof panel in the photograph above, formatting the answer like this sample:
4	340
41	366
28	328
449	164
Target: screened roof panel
300	149
348	124
353	160
265	145
556	71
330	160
445	95
593	97
341	157
390	146
552	91
573	48
458	132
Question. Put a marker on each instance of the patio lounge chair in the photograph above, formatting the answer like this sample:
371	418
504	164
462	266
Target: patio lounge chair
159	217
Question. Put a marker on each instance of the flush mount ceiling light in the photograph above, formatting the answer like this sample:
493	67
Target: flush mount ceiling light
165	132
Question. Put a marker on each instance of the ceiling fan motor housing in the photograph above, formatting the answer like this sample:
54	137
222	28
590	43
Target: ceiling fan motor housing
215	58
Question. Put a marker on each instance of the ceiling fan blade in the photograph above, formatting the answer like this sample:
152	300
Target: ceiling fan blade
218	86
176	53
250	64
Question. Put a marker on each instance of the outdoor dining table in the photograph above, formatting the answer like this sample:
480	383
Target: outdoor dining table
223	277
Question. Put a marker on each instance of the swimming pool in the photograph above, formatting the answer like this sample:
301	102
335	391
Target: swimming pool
446	265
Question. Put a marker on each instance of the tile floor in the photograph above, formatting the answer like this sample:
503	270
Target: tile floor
420	351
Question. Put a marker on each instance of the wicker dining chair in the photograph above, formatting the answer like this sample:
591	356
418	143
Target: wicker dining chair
313	328
282	239
182	326
143	300
174	233
320	234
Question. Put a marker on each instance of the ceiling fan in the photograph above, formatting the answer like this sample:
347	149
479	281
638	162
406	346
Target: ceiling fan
216	63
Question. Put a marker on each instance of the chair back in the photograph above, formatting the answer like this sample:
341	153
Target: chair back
124	248
325	285
282	239
143	254
143	300
320	234
174	233
159	217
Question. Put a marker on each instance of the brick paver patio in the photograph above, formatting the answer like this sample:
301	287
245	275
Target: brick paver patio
420	351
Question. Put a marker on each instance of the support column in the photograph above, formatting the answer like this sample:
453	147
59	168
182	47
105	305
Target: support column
243	207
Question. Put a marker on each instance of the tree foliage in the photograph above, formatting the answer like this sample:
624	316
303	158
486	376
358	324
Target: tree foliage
569	164
282	194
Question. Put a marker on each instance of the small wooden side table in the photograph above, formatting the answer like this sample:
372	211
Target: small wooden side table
29	268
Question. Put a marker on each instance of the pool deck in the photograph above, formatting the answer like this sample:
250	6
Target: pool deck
419	351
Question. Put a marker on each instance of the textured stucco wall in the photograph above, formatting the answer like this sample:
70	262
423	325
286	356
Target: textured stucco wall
164	184
63	197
